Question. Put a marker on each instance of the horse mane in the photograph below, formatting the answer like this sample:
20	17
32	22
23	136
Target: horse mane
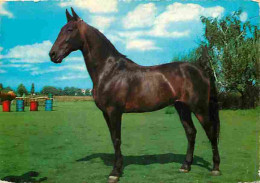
106	41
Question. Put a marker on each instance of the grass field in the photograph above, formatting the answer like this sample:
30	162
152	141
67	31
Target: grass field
72	145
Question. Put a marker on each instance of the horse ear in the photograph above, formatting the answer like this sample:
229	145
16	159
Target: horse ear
69	17
75	16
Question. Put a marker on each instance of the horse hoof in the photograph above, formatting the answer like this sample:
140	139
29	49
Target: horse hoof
215	172
183	170
113	179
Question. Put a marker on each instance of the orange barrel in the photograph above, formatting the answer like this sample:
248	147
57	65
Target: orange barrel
33	106
6	106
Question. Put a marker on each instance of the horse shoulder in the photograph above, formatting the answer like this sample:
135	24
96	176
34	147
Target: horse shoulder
112	91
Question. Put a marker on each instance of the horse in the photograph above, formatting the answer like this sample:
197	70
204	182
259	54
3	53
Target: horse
122	86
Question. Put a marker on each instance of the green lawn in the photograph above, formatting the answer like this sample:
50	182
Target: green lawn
72	145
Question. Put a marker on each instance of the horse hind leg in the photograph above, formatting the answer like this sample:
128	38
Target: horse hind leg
186	120
212	131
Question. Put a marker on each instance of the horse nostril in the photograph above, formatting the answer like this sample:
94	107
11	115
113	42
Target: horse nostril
52	54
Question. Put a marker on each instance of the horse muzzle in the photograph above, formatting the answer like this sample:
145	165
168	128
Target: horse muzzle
55	58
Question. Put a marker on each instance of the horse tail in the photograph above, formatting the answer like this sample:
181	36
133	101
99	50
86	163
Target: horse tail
213	107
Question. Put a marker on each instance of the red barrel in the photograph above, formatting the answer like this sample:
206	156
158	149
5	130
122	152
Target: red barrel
6	106
33	106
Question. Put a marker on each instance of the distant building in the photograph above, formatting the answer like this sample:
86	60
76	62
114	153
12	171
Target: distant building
83	91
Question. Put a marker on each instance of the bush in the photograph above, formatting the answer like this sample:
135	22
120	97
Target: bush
229	100
226	100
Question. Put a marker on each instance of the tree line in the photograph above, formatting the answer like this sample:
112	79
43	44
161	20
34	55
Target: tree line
69	91
231	50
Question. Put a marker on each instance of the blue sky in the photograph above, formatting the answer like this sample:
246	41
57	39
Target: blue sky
148	32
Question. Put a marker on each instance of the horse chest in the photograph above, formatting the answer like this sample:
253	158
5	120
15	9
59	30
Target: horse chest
102	100
97	100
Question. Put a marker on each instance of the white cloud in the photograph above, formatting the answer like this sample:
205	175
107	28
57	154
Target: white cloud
163	32
243	16
2	71
131	34
174	13
142	16
114	38
216	11
30	57
74	67
17	65
31	69
1	49
94	6
37	70
178	12
72	76
126	1
155	32
141	45
102	22
35	53
74	59
5	12
133	39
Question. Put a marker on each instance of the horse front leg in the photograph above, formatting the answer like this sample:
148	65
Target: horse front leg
113	118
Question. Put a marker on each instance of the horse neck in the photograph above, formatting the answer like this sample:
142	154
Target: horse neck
96	54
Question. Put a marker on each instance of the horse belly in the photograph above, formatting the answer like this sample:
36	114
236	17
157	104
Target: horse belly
150	96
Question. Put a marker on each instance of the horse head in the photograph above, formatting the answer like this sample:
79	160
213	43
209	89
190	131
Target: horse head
69	38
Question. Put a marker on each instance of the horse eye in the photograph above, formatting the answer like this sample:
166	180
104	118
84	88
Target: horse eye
70	30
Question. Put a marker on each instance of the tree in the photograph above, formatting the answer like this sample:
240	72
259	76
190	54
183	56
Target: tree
69	91
88	92
22	90
6	89
60	91
32	89
72	91
79	92
233	52
50	89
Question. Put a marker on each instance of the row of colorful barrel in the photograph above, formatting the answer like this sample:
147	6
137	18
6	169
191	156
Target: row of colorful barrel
20	105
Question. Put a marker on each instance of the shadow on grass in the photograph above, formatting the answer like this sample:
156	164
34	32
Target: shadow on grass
27	177
148	159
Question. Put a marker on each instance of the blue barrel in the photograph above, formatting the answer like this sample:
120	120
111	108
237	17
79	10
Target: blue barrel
48	105
19	105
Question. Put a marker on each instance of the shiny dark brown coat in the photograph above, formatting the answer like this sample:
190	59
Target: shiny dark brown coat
122	86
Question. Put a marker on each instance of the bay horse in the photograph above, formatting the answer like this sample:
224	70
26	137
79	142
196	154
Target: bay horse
122	86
